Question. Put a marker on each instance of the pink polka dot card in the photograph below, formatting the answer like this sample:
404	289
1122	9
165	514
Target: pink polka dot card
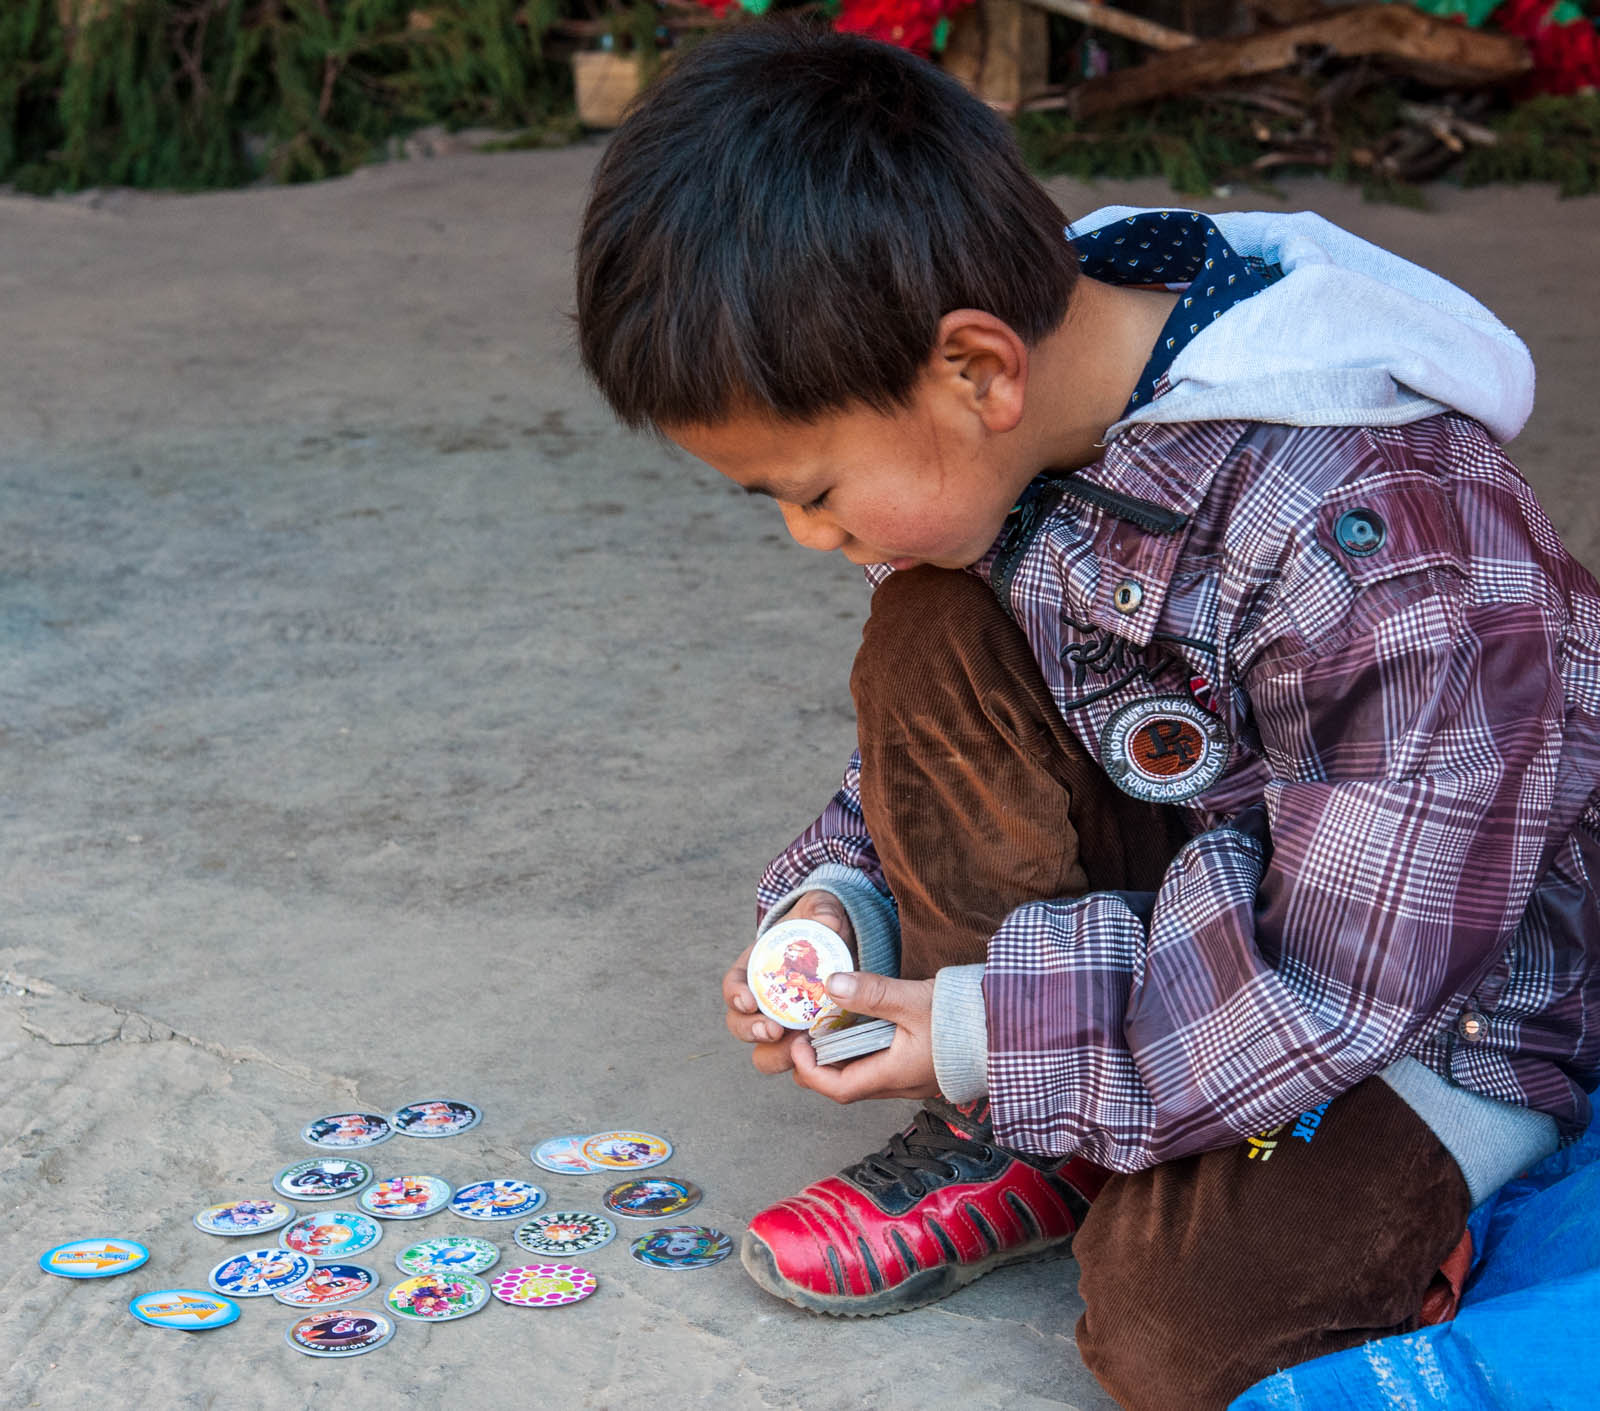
544	1285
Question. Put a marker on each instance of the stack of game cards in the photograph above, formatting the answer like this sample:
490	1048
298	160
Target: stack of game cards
837	1038
788	973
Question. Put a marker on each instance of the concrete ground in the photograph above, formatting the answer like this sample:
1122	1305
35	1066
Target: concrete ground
380	722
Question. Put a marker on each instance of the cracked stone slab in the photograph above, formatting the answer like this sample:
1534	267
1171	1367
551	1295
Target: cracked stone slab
69	1020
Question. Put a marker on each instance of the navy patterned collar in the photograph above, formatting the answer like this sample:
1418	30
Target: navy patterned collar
1173	247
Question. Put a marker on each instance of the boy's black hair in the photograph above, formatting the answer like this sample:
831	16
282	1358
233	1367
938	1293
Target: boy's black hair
780	223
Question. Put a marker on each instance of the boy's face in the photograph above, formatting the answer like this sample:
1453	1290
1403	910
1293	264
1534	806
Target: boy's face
923	485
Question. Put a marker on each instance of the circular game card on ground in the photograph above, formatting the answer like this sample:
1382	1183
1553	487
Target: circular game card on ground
436	1117
448	1254
100	1258
626	1151
331	1286
347	1333
560	1232
544	1285
260	1273
322	1178
564	1156
652	1198
496	1200
346	1131
330	1235
682	1247
187	1310
438	1298
244	1217
405	1197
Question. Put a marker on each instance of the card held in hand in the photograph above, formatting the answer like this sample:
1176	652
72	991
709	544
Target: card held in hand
839	1036
788	973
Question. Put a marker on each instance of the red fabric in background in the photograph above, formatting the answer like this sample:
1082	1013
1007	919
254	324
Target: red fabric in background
1566	57
909	23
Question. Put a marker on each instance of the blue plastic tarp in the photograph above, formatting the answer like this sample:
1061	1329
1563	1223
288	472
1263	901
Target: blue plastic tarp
1527	1336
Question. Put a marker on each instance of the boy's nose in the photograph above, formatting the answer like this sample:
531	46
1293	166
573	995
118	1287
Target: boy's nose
813	531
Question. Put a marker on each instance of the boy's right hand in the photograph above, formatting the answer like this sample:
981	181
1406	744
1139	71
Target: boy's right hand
745	1020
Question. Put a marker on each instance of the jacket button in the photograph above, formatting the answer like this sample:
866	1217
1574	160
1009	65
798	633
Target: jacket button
1360	532
1127	597
1471	1026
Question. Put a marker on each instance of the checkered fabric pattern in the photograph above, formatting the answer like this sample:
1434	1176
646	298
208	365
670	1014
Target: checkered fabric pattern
1397	859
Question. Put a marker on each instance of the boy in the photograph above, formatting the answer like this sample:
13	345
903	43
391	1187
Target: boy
1226	794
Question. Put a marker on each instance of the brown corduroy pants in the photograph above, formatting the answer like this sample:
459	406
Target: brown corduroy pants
1199	1276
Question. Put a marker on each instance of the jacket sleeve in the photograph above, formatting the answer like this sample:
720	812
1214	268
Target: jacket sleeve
835	854
1320	934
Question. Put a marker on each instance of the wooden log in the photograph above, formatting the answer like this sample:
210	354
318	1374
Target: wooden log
1267	102
1448	54
1001	50
1286	12
1114	21
1442	121
1312	157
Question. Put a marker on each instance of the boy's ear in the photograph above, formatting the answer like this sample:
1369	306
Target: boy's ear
990	361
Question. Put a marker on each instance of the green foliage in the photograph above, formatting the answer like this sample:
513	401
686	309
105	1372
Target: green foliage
165	92
137	105
1189	142
1200	143
1546	139
31	65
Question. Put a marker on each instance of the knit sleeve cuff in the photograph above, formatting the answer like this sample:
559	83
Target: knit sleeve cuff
872	915
960	1033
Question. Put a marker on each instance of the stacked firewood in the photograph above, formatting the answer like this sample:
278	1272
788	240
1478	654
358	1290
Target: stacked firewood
1303	67
1295	116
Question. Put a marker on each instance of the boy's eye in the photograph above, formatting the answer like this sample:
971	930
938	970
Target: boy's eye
812	506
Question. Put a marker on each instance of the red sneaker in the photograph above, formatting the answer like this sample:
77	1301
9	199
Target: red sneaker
938	1207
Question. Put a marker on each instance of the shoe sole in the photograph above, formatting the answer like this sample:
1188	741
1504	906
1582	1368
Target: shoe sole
922	1288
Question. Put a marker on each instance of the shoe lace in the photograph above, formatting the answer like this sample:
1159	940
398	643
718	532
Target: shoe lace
922	1148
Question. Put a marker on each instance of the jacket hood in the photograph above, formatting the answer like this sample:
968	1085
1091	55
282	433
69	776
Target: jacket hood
1350	336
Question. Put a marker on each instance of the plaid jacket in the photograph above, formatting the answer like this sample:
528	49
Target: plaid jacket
1395	667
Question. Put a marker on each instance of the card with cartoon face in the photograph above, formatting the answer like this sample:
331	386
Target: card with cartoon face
789	968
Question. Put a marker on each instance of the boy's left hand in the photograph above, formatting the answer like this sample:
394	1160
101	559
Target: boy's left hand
904	1069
